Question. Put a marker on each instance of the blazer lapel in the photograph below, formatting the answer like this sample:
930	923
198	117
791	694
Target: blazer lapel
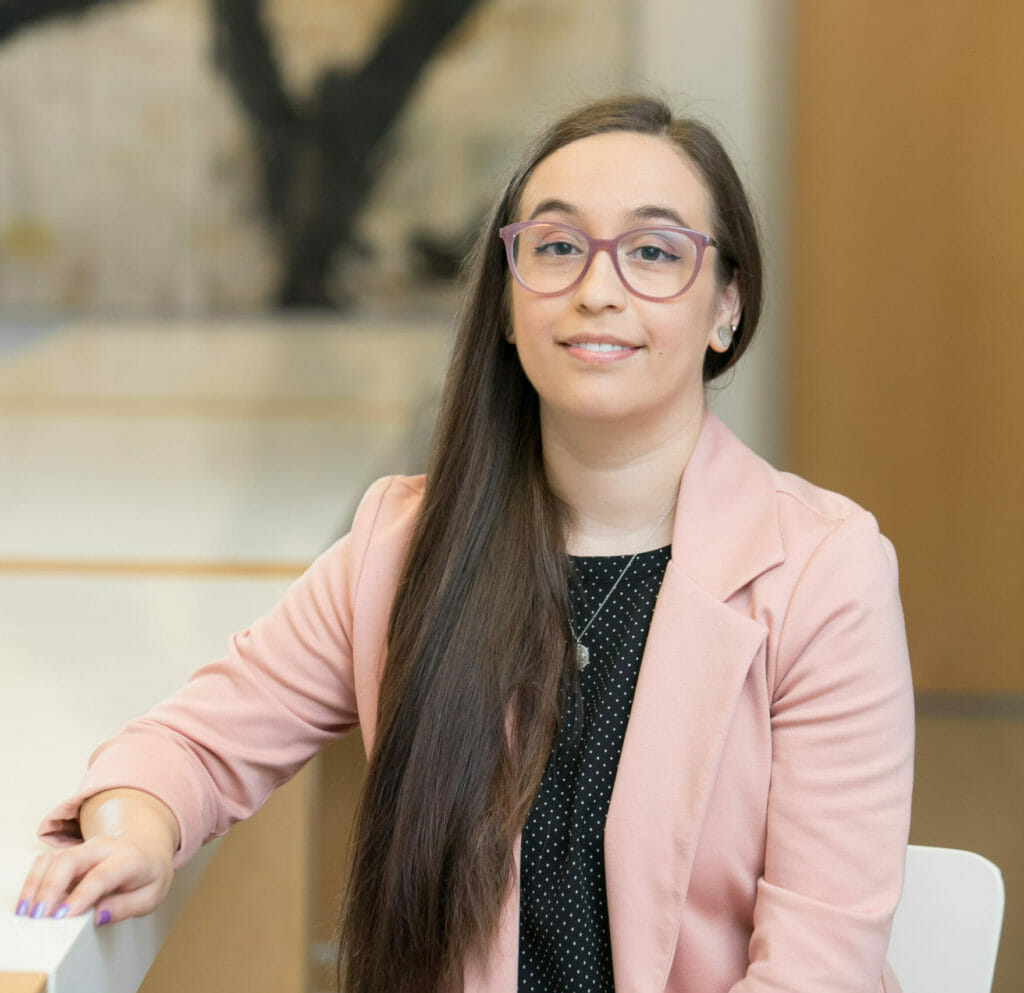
698	653
697	656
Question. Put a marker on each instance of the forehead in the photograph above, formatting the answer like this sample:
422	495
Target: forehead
607	177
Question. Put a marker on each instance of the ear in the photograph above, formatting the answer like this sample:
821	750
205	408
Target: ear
510	334
727	315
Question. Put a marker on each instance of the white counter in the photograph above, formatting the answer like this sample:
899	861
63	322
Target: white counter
80	655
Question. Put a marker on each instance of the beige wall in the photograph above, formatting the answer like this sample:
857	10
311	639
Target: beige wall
728	62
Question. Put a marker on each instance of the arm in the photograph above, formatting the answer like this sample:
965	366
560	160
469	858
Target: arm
842	765
209	755
241	726
200	761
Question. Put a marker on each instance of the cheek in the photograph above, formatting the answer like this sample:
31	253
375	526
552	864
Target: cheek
684	330
529	316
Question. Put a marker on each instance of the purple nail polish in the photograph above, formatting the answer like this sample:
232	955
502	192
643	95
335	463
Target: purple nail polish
61	912
39	910
22	908
104	918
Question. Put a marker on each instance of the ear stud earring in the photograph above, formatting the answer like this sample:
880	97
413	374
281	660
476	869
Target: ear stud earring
725	334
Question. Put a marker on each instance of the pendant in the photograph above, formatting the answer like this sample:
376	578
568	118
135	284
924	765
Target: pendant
582	655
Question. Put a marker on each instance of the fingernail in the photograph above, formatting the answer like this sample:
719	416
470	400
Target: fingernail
104	918
38	911
22	908
61	912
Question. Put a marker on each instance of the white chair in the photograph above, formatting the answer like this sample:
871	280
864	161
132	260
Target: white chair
945	934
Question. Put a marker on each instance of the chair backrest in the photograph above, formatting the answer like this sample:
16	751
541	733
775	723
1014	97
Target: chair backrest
945	934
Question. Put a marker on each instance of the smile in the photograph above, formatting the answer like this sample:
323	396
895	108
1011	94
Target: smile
599	346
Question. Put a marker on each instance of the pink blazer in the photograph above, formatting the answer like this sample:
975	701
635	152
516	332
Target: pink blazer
758	824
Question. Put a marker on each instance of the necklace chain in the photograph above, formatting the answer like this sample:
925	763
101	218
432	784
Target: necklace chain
582	652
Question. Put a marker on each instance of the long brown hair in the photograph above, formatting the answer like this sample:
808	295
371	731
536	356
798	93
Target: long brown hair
478	661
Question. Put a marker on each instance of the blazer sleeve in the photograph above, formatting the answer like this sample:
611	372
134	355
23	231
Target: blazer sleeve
244	725
841	774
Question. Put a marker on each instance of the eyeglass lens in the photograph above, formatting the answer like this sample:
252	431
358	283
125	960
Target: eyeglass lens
654	262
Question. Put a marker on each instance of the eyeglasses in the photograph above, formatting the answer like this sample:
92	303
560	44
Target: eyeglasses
656	263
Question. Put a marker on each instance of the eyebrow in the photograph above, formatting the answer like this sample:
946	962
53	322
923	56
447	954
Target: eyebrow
556	206
648	212
653	212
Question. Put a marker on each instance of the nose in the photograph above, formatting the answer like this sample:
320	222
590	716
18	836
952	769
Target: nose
600	288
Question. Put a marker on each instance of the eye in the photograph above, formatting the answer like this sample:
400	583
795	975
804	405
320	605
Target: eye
554	247
654	248
652	252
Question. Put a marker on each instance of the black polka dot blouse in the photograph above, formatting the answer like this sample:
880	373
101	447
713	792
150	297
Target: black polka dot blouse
564	943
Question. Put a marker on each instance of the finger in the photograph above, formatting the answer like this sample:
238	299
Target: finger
126	873
121	906
52	875
29	895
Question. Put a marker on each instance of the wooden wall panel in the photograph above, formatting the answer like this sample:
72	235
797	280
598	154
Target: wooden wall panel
246	925
907	306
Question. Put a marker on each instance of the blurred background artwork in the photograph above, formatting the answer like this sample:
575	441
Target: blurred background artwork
230	232
197	157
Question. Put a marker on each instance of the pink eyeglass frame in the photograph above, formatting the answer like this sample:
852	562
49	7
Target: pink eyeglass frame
611	246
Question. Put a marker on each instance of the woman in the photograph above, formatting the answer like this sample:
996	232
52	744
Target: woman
488	630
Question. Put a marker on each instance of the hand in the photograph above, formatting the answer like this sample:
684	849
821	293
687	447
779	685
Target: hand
123	867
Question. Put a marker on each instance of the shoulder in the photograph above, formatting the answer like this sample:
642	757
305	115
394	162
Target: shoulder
744	520
837	586
795	498
805	514
389	501
383	525
829	597
825	529
819	514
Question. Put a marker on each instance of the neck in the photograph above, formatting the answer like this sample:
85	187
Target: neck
617	486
